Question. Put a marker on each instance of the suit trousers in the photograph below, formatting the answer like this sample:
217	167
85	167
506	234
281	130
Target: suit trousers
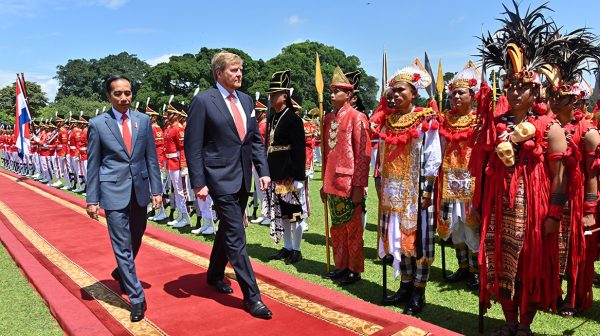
126	228
230	244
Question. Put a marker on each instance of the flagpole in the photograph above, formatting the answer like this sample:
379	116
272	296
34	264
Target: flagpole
319	86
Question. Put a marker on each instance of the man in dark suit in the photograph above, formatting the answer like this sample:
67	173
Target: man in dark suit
222	142
123	175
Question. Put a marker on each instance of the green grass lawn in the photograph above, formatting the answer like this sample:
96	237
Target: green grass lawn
22	310
448	305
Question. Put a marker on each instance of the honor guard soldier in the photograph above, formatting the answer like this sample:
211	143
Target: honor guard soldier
176	164
159	141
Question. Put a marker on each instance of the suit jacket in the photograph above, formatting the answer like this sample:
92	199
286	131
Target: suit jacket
112	172
216	156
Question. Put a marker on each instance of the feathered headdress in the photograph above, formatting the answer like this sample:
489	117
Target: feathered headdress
571	55
520	47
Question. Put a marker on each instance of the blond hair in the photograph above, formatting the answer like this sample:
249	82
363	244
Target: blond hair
221	59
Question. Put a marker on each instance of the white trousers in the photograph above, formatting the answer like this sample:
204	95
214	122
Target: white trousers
177	183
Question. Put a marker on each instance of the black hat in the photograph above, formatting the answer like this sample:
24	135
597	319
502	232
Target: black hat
354	78
280	81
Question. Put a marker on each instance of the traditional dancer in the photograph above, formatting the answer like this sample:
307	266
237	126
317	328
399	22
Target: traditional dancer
345	176
409	158
523	192
455	183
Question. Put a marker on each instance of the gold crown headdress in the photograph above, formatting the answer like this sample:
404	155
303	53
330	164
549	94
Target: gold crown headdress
468	78
414	74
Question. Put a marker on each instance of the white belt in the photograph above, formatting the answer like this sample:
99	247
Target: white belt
73	147
172	155
83	148
59	146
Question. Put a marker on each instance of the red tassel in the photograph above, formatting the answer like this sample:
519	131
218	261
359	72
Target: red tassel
500	128
424	126
528	145
434	124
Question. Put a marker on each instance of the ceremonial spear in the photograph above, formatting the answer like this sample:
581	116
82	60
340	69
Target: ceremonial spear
319	86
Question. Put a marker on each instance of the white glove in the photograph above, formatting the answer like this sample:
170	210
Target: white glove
298	185
184	172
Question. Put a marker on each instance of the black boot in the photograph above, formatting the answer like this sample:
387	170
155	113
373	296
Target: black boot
293	257
336	273
460	275
350	278
473	280
416	302
403	293
282	254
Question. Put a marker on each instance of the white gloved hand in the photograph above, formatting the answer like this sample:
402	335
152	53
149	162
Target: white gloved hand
298	185
184	172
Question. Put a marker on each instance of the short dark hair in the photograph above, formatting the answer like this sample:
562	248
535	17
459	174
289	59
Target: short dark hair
108	82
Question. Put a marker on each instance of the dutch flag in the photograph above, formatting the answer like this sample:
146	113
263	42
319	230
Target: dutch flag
22	118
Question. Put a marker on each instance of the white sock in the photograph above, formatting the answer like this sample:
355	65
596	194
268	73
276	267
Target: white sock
287	234
298	230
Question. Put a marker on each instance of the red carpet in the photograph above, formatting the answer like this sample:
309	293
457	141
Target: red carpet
72	261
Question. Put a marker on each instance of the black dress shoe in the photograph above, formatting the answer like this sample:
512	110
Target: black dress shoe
221	286
460	275
137	311
258	310
403	293
117	276
350	278
416	302
294	257
473	281
336	273
282	254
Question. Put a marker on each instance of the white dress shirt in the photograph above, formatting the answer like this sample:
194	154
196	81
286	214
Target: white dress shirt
225	95
119	117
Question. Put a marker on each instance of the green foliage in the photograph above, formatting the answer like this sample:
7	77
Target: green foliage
75	105
37	100
300	58
30	316
183	74
85	78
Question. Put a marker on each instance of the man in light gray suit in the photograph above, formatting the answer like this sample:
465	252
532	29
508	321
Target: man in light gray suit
123	176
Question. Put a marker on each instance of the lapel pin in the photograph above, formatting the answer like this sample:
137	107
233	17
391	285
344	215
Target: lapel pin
135	125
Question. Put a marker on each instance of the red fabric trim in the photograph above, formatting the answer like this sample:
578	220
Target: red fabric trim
589	207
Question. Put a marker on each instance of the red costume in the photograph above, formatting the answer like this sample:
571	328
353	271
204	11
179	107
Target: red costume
174	146
62	142
346	161
310	135
74	137
159	141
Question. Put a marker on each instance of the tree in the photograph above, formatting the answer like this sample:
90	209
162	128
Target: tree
75	105
300	59
37	100
85	79
183	74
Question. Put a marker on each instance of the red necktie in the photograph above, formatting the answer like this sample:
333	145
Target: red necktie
126	134
237	117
